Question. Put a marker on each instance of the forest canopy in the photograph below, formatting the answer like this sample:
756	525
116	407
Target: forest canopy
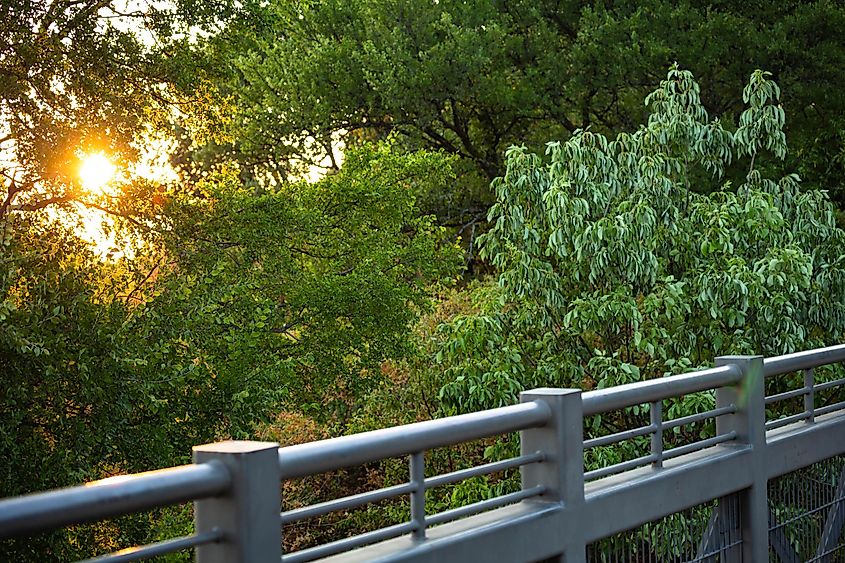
319	217
472	78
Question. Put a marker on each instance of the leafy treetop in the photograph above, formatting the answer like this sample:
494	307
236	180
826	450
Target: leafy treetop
614	267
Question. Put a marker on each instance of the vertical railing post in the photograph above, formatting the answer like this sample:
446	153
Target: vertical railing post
417	472
248	515
656	416
810	397
562	472
749	423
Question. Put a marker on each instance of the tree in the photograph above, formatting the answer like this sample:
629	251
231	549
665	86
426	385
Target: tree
235	307
315	283
616	263
227	305
88	75
462	78
82	396
471	78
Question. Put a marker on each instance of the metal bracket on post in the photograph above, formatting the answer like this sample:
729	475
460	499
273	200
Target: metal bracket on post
562	471
248	514
749	423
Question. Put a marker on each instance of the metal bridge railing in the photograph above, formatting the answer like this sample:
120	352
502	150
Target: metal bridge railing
653	393
804	362
412	440
559	510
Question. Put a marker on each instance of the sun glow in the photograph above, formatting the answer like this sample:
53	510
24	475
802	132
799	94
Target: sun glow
96	172
103	187
98	176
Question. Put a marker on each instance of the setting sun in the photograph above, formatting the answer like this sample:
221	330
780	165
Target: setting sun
96	171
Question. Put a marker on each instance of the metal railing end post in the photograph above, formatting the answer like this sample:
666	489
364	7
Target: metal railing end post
749	423
562	472
248	514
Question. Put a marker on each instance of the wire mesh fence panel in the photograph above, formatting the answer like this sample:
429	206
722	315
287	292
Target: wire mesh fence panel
807	512
707	533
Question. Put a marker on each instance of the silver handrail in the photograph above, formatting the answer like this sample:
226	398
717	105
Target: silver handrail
355	449
232	477
115	496
621	396
803	360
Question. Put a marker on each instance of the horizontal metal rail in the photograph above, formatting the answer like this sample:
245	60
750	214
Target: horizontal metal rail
779	422
830	408
620	467
159	548
115	496
615	398
356	449
788	395
700	445
486	469
617	437
698	417
803	360
484	505
829	384
345	503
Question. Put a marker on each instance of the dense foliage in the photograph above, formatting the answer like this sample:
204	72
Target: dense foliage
239	307
315	284
243	301
472	78
89	75
615	267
